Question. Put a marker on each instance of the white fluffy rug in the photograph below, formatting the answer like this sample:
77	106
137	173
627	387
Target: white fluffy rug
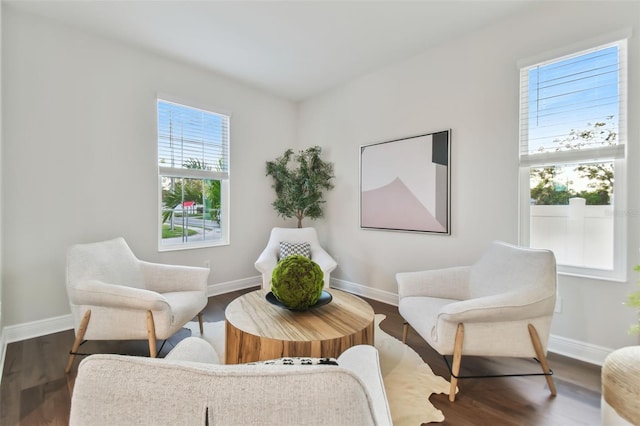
408	381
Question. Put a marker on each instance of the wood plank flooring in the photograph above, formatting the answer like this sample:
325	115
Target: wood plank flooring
35	390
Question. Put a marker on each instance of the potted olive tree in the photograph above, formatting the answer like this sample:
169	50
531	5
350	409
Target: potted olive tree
299	181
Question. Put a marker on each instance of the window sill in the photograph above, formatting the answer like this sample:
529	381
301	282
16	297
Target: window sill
611	278
193	246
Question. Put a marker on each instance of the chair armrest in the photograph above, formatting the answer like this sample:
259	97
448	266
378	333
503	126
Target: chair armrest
323	259
511	306
98	293
364	362
193	349
267	260
169	278
447	283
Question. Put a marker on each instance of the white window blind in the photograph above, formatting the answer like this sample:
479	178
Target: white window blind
562	99
193	177
192	143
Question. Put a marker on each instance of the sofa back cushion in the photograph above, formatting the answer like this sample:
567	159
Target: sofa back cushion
107	391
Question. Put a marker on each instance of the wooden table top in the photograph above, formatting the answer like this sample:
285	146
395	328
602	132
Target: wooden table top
345	315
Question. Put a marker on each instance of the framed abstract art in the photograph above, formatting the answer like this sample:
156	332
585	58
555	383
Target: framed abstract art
405	184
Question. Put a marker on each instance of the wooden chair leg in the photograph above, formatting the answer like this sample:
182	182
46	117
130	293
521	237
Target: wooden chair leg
201	323
537	346
151	334
405	332
79	336
457	358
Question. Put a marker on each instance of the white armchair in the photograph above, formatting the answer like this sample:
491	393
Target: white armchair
500	306
115	296
270	256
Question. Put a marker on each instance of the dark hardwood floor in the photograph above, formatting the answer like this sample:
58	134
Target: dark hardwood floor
36	391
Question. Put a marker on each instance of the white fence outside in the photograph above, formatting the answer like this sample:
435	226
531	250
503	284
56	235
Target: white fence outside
578	234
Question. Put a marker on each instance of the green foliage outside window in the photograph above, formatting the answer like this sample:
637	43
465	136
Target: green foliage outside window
202	192
549	188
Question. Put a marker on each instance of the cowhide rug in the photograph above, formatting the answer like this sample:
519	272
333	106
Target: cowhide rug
408	381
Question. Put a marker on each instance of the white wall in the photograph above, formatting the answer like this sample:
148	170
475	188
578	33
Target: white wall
470	86
79	158
1	202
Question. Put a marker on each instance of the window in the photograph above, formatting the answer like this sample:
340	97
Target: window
193	170
572	159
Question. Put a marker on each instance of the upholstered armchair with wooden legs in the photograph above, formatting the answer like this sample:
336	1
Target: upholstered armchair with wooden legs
115	296
500	306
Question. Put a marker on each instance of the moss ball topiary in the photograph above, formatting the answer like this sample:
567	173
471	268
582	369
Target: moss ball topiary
297	282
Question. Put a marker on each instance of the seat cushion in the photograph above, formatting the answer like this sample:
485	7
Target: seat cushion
422	314
185	305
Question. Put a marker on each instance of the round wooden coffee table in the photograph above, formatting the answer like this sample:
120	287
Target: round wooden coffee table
257	330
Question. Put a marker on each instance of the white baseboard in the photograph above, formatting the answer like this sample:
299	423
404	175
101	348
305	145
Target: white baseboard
576	349
364	291
18	332
229	286
3	355
561	345
29	330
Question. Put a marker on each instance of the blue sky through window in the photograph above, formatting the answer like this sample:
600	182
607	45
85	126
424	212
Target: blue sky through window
572	94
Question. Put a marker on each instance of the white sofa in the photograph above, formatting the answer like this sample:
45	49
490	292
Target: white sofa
188	387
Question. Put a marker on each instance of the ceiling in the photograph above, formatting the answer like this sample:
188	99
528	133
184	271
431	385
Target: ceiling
294	49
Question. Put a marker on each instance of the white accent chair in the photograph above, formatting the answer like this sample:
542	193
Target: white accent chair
115	296
500	306
270	256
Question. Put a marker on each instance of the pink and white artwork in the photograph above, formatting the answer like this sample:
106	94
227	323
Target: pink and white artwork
404	184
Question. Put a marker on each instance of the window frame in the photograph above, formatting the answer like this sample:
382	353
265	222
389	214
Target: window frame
615	154
195	174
